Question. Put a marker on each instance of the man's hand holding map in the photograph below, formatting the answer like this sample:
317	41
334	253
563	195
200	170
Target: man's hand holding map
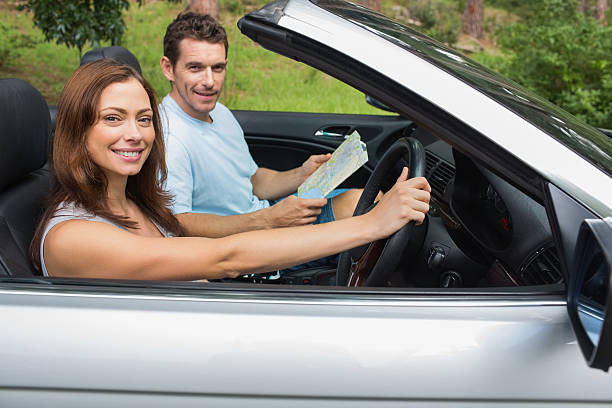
346	159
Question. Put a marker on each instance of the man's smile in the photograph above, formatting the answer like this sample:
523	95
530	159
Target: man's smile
205	94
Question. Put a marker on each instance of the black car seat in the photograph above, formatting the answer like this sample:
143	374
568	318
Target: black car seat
115	52
25	128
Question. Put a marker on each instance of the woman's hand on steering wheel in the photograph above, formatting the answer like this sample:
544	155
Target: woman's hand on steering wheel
407	200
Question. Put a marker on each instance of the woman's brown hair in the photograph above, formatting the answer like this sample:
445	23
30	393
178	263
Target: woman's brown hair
77	179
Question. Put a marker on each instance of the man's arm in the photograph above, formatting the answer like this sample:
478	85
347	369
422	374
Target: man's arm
289	212
218	226
271	184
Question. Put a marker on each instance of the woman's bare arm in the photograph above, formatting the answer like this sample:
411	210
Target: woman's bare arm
79	248
109	252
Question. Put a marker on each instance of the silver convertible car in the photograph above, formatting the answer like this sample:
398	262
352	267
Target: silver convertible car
501	298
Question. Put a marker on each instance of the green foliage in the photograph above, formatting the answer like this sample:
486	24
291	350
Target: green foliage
12	42
256	79
75	22
510	5
239	7
520	8
425	12
437	20
447	31
564	56
460	6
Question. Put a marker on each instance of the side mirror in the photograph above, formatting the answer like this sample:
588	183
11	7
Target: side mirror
378	104
590	290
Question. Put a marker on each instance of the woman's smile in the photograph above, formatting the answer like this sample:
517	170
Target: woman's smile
123	135
129	155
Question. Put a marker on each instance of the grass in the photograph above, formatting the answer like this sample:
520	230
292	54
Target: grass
256	79
46	66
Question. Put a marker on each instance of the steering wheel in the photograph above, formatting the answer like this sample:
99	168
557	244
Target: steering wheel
373	264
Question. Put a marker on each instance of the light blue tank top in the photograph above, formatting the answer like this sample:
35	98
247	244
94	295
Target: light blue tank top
68	211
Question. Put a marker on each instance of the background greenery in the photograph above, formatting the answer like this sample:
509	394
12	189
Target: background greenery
545	45
256	79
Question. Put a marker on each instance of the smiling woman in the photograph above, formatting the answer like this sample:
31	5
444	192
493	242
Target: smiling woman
106	131
127	134
108	156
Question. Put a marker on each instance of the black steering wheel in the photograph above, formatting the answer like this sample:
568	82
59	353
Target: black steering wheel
373	264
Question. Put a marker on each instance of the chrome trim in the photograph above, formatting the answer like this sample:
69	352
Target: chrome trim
350	300
321	132
590	311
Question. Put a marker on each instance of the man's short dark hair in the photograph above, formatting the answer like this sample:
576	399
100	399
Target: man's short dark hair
201	27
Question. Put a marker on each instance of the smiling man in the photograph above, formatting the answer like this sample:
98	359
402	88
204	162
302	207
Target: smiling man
217	187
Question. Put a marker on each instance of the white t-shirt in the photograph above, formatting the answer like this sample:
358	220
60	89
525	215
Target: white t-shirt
209	164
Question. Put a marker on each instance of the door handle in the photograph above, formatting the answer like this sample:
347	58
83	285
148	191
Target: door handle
334	131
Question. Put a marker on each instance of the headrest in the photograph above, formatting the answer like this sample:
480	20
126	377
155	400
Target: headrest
24	130
115	52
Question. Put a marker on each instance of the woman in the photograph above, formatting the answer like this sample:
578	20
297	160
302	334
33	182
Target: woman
108	216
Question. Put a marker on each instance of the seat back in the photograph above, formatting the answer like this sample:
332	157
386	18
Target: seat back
25	128
116	52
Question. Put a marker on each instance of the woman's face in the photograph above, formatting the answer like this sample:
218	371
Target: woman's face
121	139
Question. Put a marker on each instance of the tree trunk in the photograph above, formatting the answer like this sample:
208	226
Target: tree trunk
371	4
472	18
204	7
582	6
600	11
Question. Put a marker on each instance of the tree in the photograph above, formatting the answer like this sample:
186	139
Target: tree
564	56
472	18
74	22
204	7
371	4
600	11
12	42
582	6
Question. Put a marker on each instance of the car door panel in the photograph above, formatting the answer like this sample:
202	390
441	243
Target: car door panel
232	348
284	140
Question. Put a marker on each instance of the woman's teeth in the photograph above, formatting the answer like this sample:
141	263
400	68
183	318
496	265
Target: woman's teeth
126	154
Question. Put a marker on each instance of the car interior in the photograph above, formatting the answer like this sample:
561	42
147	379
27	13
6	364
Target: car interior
481	230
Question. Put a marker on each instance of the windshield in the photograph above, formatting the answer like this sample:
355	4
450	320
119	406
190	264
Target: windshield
581	138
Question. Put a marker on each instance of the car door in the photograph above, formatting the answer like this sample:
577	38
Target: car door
141	344
284	140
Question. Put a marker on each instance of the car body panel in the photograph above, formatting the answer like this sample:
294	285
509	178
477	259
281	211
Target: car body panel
339	345
99	343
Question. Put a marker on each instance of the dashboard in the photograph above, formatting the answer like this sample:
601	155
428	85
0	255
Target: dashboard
482	231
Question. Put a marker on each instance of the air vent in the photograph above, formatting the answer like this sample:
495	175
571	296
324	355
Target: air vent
543	269
431	161
439	173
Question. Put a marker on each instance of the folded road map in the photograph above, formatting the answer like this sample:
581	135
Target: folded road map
345	160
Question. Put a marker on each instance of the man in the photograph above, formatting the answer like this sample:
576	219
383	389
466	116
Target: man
218	188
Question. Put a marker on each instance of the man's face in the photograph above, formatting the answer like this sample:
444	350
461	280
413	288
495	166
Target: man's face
197	77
